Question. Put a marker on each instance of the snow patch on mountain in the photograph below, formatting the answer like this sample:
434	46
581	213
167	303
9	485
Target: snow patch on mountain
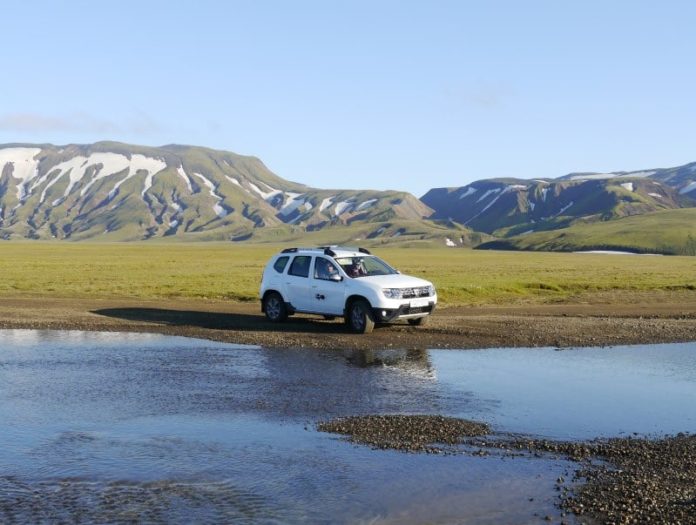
469	191
343	206
293	203
217	208
366	204
489	204
328	201
62	168
628	186
24	167
564	208
489	192
111	164
187	179
600	176
233	180
594	176
688	188
137	163
265	195
106	164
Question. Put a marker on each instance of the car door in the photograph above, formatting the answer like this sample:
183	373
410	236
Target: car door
328	295
297	283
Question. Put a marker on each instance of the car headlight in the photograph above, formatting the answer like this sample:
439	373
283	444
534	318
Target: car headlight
431	290
392	293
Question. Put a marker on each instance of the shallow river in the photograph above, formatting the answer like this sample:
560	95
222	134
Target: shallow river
99	427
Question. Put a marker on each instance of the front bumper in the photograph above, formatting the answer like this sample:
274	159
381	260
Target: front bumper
405	311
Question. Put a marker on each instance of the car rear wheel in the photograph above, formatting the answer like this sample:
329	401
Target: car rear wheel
275	309
360	317
419	321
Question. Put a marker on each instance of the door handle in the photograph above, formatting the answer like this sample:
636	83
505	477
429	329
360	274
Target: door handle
320	297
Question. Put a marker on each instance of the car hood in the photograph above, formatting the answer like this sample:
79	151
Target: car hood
394	281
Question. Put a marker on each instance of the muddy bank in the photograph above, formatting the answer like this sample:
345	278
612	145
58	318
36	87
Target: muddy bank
619	481
514	326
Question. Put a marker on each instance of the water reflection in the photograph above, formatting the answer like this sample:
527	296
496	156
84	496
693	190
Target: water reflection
115	427
414	361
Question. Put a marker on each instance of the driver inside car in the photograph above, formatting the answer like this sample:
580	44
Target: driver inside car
324	270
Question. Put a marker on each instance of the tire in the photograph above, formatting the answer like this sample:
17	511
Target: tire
360	317
274	307
418	321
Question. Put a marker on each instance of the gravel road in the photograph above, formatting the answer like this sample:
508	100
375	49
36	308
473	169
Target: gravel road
461	327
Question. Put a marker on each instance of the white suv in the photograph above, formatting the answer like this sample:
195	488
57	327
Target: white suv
349	282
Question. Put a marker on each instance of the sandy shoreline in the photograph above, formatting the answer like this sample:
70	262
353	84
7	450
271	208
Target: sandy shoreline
562	325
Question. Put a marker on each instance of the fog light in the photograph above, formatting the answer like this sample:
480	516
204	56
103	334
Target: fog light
384	313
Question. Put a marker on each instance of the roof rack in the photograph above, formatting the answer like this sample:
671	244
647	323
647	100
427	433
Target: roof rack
347	248
328	250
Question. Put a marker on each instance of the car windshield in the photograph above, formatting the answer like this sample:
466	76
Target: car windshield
364	266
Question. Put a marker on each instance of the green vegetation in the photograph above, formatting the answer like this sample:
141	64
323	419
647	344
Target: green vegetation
670	232
227	271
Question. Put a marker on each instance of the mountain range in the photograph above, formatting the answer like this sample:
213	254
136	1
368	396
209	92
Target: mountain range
508	207
118	192
113	191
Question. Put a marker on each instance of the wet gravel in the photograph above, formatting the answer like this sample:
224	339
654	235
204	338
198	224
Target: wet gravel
619	481
409	433
626	481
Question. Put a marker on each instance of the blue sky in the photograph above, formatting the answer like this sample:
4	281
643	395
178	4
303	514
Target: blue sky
374	94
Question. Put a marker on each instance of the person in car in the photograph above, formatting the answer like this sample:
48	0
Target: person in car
355	268
325	270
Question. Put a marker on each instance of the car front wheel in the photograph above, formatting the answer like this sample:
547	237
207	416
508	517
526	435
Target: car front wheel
360	317
275	309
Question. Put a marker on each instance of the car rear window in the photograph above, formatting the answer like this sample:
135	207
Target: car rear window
300	266
281	263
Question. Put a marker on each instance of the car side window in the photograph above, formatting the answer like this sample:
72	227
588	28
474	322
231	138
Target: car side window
300	266
324	269
281	263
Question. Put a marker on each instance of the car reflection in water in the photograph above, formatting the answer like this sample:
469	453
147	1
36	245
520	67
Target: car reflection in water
413	361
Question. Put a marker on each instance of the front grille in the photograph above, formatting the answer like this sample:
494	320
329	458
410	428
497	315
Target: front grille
412	293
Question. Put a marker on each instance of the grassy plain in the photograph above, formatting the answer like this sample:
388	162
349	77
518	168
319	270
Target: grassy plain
669	232
232	272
